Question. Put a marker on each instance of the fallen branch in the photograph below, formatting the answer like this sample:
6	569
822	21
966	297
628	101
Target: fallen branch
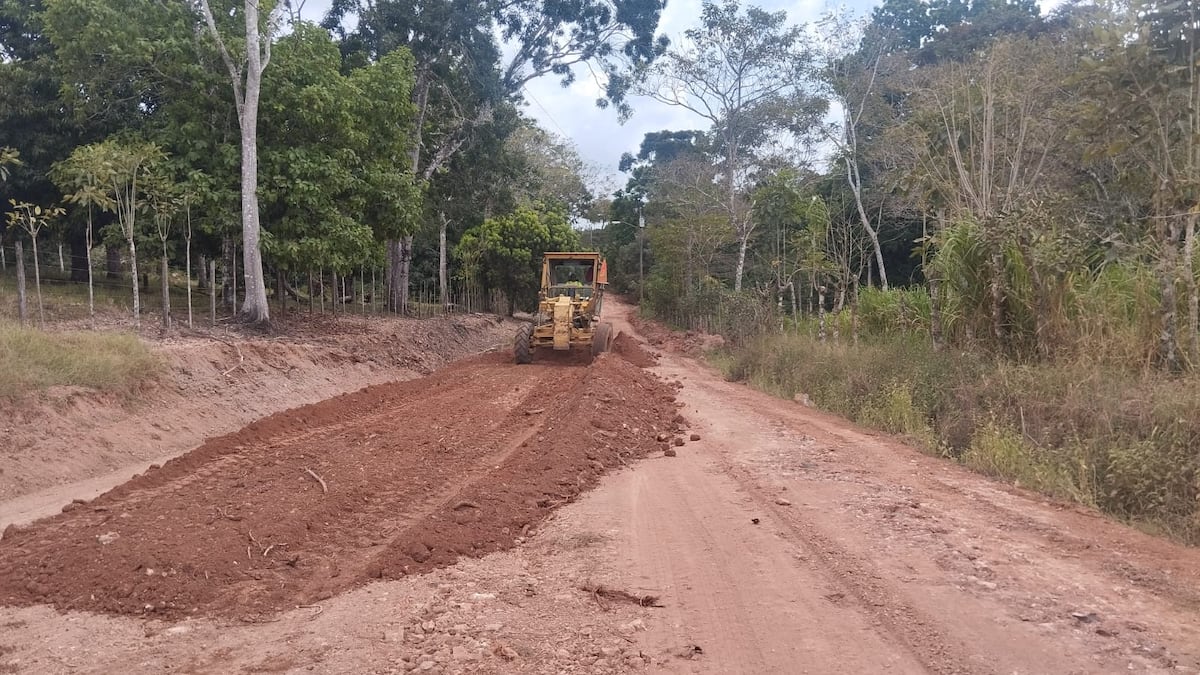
613	595
324	487
240	363
319	609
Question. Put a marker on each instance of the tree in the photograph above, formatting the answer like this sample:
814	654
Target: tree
1142	106
163	205
751	76
505	253
852	78
32	219
246	78
126	168
81	177
460	80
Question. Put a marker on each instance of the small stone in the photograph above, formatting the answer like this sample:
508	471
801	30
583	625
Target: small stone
633	626
983	583
428	626
107	537
493	627
427	665
782	502
610	651
562	654
662	438
678	441
670	452
508	652
695	437
461	653
176	630
1085	617
479	597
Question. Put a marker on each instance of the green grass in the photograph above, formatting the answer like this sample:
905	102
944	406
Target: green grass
32	360
1121	440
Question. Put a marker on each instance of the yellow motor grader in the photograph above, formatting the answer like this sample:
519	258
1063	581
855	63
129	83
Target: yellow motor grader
568	315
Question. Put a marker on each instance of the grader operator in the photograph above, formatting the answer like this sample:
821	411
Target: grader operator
569	302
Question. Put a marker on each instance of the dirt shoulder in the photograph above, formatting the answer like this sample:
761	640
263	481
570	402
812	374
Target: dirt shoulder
72	443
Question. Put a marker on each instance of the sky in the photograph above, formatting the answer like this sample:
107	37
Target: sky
598	135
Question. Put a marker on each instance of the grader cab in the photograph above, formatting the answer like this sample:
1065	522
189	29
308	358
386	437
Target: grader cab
568	316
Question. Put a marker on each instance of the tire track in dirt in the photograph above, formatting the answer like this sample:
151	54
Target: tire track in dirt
462	462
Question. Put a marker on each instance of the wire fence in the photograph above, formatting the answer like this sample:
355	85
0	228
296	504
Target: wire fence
211	291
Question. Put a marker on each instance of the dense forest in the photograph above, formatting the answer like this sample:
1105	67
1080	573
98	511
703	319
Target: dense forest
1036	174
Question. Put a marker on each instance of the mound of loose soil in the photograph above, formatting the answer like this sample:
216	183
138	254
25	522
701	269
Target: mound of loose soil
632	351
693	343
415	474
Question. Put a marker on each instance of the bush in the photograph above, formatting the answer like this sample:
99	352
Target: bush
33	360
1118	439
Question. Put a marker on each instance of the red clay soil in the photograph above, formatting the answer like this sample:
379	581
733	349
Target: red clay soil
391	480
633	352
692	343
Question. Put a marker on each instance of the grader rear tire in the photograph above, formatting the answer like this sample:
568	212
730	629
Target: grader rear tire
602	339
523	344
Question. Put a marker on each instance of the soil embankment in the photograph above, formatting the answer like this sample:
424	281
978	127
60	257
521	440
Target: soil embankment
75	443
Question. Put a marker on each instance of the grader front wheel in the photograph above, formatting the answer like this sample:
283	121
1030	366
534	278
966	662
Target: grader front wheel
602	339
523	344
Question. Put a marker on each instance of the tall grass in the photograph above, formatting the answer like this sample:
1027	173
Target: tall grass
1122	440
32	360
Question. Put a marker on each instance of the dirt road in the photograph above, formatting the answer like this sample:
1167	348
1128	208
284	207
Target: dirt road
782	540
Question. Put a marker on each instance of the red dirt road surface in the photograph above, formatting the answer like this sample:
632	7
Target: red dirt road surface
392	480
779	539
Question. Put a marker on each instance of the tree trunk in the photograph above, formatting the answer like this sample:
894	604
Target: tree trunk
187	257
1193	303
112	261
166	289
202	278
90	281
22	303
133	275
254	305
62	262
403	272
443	289
997	293
743	242
852	176
821	313
212	291
37	283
